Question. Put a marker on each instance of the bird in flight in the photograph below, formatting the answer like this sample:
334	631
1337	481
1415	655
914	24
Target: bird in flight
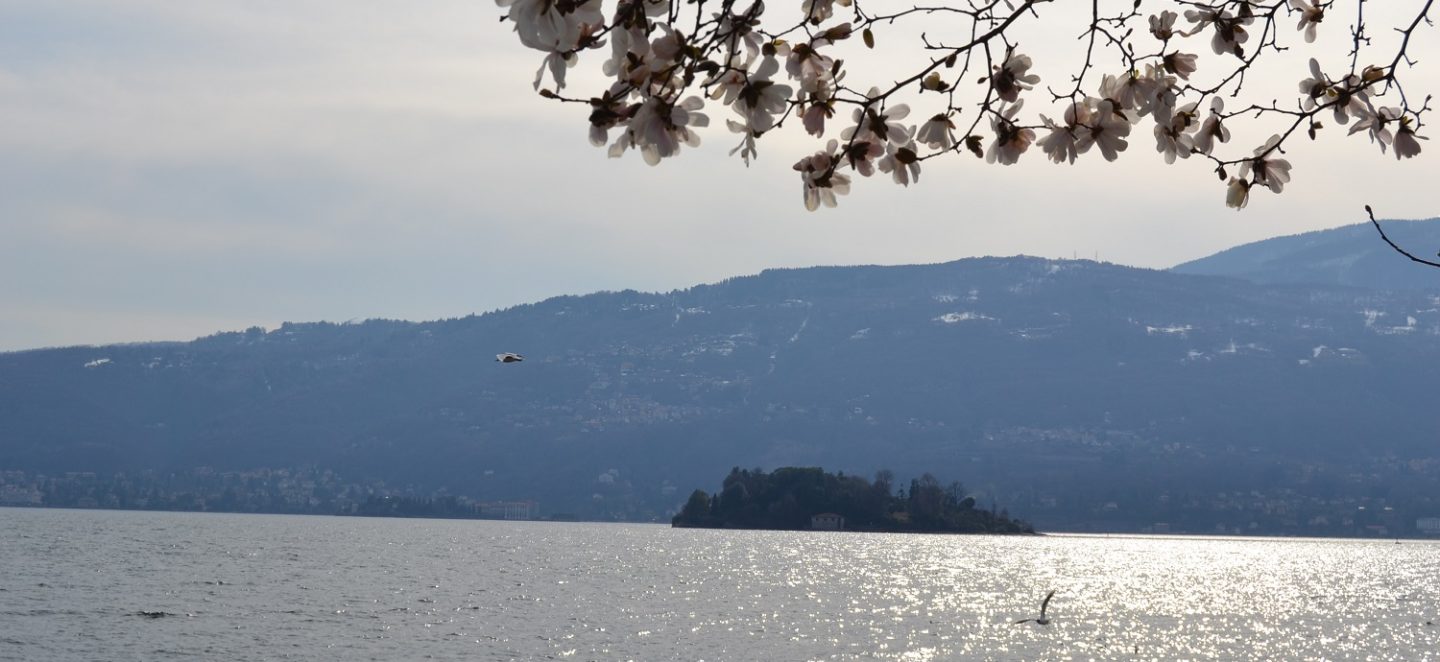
1043	619
509	357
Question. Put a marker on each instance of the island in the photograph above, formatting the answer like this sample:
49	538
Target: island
808	498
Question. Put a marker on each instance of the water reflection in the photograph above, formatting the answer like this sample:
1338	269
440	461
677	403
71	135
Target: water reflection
328	588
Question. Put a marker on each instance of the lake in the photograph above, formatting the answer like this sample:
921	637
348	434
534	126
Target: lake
271	587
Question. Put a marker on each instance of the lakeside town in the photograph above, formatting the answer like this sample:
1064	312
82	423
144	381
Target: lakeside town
1277	512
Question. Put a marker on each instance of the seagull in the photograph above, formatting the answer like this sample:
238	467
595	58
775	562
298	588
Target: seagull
509	357
1043	620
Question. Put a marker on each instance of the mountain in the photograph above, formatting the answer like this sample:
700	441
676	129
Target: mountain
1077	394
1353	255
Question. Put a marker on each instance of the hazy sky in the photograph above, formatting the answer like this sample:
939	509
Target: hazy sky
171	169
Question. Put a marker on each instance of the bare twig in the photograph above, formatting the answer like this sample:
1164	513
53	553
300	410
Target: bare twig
1393	245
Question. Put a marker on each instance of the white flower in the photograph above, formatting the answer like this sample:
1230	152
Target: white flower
1160	96
1010	141
1348	97
881	126
935	133
811	68
1237	193
1172	137
1310	17
817	11
1212	129
641	62
1180	64
556	64
739	31
1315	86
1229	30
1405	143
1269	172
1163	26
1375	123
753	95
746	148
862	154
821	182
633	13
902	163
1105	130
1010	78
1134	93
608	110
552	25
1061	143
659	128
816	112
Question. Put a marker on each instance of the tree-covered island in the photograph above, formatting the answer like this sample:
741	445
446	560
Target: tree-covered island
798	498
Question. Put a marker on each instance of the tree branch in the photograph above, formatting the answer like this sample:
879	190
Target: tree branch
1392	244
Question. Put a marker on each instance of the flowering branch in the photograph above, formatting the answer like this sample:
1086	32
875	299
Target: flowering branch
668	59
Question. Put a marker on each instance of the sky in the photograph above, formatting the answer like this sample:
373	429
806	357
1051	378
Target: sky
173	169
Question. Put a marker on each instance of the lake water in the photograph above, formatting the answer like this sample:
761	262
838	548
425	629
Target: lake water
265	587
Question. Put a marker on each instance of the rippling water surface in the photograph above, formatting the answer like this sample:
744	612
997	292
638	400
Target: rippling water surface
243	587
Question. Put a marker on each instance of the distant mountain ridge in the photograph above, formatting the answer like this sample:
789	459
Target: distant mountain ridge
1353	255
1078	394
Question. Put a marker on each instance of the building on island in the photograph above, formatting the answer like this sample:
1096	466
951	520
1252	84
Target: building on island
827	522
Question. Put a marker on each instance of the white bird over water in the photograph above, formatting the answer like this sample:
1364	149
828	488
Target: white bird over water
1043	620
509	357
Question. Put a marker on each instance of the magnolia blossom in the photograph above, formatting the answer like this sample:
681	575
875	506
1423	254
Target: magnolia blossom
556	64
1212	129
1314	87
877	125
1406	145
607	111
642	62
1180	64
1010	141
1105	130
810	67
1163	26
1310	17
1010	78
1229	31
935	132
1348	98
1172	136
659	128
1061	144
746	148
753	95
1162	93
1237	193
820	181
817	110
1141	92
862	154
817	11
740	32
552	25
1375	124
902	163
630	13
1269	172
